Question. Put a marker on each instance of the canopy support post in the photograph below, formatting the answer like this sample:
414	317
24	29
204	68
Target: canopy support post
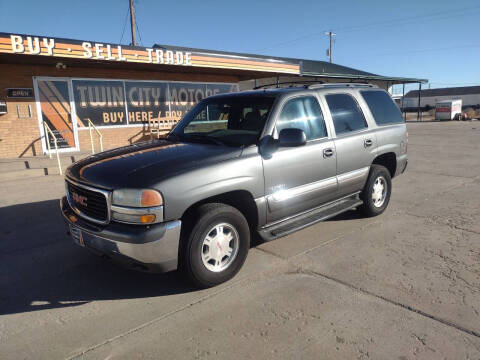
419	115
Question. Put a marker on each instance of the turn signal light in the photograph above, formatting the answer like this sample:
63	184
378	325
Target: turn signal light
151	198
134	218
147	219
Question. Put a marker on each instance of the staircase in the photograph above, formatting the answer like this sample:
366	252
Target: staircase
28	167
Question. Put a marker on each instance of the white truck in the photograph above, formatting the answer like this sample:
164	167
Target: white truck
448	110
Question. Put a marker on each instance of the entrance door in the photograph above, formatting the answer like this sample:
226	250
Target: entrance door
55	106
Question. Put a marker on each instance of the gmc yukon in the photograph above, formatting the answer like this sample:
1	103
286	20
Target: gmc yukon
265	162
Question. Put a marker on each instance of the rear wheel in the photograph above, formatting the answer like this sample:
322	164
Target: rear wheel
217	245
377	191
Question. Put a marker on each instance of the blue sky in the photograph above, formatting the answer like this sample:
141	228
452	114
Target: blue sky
438	40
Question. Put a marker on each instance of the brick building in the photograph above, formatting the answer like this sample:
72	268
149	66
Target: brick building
69	84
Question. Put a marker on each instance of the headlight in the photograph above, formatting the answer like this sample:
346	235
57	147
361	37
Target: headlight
137	206
137	198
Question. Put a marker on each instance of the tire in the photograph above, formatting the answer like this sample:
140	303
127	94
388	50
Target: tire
207	262
375	202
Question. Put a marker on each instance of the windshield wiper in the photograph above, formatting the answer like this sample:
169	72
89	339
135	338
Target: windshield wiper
174	137
211	139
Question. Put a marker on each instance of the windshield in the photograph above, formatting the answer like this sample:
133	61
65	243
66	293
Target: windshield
232	121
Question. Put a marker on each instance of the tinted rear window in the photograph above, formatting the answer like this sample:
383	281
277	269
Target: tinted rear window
383	109
346	114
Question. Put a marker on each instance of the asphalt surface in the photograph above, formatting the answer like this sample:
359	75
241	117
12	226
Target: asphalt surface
404	285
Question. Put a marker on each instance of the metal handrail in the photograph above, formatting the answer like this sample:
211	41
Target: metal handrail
47	132
100	136
158	125
154	127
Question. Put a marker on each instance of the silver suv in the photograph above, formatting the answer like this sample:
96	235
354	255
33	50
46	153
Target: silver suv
265	162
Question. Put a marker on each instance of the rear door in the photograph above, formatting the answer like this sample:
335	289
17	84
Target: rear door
303	177
355	141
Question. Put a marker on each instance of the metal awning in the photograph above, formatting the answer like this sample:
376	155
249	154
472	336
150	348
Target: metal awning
313	68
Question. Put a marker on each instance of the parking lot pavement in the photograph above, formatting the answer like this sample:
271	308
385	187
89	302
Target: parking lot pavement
402	285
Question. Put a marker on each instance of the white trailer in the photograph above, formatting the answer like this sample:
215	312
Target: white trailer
448	109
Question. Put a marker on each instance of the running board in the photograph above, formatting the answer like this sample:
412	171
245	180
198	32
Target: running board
304	220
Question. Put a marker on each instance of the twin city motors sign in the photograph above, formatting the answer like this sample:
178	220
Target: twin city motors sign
66	48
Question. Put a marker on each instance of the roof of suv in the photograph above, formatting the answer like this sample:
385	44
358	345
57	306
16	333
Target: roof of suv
274	92
259	93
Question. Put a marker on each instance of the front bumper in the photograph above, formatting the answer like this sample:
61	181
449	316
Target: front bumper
149	248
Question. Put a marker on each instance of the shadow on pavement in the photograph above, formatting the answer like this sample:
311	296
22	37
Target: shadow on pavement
41	268
348	215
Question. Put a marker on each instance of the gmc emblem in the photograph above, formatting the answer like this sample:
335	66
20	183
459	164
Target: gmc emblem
79	199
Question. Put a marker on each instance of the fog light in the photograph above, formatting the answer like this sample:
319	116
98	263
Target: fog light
134	218
147	219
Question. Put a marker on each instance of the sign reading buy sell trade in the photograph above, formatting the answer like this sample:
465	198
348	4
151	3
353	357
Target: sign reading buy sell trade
66	48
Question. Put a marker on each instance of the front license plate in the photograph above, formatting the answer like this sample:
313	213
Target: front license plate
77	235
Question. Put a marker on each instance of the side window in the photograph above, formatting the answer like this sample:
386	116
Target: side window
383	109
346	113
303	113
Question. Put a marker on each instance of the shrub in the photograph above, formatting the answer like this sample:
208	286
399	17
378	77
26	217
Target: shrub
470	113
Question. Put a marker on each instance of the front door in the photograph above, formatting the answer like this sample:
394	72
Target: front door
303	177
54	99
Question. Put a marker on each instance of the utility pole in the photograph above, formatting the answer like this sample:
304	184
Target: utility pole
331	35
132	23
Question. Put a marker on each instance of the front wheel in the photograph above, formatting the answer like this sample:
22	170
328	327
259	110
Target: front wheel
217	245
377	191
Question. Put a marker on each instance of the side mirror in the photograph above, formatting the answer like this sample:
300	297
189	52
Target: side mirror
292	137
267	146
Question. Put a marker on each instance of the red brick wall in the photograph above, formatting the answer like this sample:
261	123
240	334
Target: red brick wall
21	137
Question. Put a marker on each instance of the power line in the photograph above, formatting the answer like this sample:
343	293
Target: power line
124	26
439	15
139	35
402	23
450	84
426	50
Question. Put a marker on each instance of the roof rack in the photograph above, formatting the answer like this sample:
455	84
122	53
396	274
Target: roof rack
341	85
316	84
305	83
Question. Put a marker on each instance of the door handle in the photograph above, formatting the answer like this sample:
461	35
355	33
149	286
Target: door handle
368	142
327	152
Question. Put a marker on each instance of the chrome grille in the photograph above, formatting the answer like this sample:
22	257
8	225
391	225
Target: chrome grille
88	202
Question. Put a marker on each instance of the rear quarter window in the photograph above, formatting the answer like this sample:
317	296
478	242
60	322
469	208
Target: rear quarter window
382	107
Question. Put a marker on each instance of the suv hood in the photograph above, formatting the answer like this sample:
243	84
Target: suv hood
144	164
